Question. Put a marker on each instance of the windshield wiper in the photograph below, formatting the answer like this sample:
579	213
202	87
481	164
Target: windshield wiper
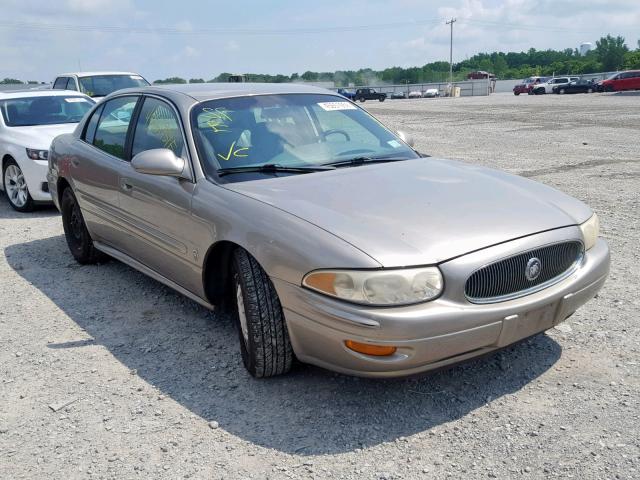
273	168
363	160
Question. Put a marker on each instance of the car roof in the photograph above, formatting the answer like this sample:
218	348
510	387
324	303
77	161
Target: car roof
95	74
40	93
212	91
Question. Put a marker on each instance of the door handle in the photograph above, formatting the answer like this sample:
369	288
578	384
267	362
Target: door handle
125	185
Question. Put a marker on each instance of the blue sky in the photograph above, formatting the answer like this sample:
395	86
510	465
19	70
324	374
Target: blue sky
39	39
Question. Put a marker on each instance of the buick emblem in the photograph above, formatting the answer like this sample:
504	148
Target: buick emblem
532	271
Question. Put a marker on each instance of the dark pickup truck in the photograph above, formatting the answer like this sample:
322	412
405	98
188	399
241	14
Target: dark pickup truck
363	94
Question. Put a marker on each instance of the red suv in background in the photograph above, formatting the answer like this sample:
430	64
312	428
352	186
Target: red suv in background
629	80
527	85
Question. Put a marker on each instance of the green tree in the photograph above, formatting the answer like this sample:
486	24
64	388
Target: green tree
170	80
610	52
632	60
10	81
196	80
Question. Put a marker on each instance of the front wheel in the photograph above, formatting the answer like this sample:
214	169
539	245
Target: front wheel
264	338
589	90
562	91
15	187
75	230
381	99
516	93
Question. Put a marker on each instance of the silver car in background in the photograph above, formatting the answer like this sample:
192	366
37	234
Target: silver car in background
329	238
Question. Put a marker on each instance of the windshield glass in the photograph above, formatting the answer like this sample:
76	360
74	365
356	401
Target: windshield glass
21	112
102	85
293	130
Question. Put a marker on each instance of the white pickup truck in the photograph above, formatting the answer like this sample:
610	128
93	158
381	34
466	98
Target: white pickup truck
547	87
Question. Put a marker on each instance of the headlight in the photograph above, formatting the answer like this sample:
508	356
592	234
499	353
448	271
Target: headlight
590	230
378	287
37	154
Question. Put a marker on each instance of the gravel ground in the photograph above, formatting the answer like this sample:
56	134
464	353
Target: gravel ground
105	373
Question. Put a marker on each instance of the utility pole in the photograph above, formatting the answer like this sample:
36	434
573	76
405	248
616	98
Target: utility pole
451	22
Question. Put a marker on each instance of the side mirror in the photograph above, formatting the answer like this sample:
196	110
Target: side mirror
158	161
406	138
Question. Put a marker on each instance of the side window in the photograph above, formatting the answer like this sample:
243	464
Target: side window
71	84
60	83
157	127
111	132
90	130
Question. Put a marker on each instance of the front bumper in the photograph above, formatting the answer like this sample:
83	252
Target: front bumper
35	173
438	333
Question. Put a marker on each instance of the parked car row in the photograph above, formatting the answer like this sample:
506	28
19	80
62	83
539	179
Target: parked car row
628	80
243	198
363	94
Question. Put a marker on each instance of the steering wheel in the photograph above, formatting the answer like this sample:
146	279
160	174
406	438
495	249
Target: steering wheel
334	131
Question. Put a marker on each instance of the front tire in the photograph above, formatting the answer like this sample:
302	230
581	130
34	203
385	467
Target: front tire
264	338
15	187
75	230
562	91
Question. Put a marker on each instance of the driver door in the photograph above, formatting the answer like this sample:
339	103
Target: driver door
157	208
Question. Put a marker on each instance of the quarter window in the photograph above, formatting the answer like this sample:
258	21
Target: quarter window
157	127
60	83
111	132
90	130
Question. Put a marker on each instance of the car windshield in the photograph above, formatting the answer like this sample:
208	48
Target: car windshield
102	85
291	130
41	110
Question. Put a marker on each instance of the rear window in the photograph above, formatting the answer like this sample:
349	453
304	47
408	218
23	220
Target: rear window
103	85
29	111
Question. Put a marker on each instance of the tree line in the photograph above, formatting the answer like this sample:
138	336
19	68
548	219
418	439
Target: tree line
610	54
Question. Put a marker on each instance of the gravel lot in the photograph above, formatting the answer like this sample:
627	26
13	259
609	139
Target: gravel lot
147	384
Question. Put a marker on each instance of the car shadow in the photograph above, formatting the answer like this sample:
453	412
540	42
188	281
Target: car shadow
192	356
41	210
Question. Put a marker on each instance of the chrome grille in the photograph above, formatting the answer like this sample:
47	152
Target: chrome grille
506	279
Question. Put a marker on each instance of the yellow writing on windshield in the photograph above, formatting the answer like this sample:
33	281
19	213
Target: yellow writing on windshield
235	152
217	120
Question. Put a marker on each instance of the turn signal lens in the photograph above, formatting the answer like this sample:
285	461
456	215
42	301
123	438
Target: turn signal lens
368	349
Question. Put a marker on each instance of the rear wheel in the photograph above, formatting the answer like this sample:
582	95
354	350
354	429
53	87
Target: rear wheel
589	90
362	99
381	99
15	187
78	238
516	93
562	91
264	338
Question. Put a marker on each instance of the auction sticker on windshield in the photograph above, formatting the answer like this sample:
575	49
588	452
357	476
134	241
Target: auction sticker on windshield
329	106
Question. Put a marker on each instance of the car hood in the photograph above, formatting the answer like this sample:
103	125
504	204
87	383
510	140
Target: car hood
419	212
39	136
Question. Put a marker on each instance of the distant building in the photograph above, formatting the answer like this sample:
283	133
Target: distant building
585	48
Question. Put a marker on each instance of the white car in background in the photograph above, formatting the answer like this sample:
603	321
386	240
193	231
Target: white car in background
98	84
415	94
29	121
547	87
431	93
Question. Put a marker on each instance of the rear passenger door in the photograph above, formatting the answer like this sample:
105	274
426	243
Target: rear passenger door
157	208
95	169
